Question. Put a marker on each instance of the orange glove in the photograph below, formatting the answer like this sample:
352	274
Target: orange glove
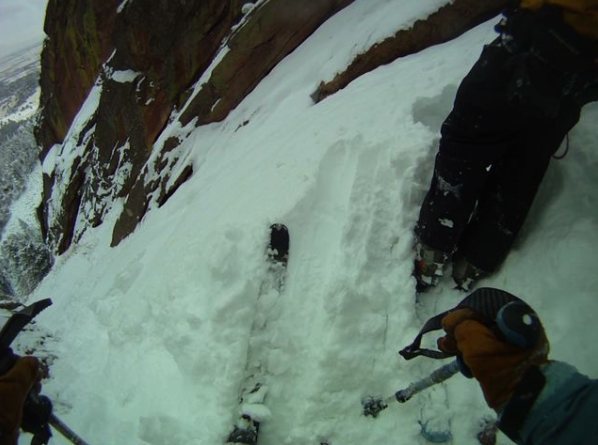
498	366
14	388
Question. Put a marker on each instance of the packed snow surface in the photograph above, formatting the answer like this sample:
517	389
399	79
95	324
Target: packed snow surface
151	338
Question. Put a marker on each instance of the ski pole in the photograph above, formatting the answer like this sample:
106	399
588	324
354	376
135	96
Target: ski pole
63	429
373	406
39	407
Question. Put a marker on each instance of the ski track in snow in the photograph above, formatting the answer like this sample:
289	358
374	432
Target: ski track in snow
152	338
324	291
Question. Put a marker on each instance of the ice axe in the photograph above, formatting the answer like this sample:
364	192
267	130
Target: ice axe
509	317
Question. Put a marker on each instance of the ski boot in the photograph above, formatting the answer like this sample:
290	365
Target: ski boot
465	274
428	267
245	433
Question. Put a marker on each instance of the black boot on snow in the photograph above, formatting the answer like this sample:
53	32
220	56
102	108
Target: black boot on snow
465	274
245	433
428	266
278	248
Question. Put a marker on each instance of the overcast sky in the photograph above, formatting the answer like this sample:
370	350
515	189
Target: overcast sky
21	24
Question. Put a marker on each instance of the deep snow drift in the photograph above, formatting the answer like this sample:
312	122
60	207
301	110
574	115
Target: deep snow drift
150	338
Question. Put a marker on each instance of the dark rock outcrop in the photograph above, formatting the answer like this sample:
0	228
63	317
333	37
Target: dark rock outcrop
79	39
272	33
156	49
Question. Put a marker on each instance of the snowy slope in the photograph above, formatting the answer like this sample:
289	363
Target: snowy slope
151	337
19	78
19	99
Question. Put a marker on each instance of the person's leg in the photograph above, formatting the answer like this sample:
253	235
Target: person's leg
456	185
475	135
509	117
511	190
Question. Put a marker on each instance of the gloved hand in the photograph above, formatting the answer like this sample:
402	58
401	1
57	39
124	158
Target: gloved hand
15	385
497	365
36	416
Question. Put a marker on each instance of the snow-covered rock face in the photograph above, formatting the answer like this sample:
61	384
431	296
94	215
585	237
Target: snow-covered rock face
98	132
122	78
152	337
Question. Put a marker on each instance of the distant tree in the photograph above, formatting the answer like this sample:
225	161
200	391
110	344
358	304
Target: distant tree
18	154
24	257
6	291
8	130
25	260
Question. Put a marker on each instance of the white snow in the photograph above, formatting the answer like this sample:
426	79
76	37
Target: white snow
122	6
24	208
447	222
124	76
61	158
247	8
151	337
26	110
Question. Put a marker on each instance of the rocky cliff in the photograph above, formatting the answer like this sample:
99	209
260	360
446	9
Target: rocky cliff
137	65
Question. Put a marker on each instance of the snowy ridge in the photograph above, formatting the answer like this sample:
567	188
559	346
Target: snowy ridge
151	336
20	62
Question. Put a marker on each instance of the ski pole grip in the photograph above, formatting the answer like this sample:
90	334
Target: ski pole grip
519	324
513	320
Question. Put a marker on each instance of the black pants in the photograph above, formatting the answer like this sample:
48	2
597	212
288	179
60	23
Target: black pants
494	151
